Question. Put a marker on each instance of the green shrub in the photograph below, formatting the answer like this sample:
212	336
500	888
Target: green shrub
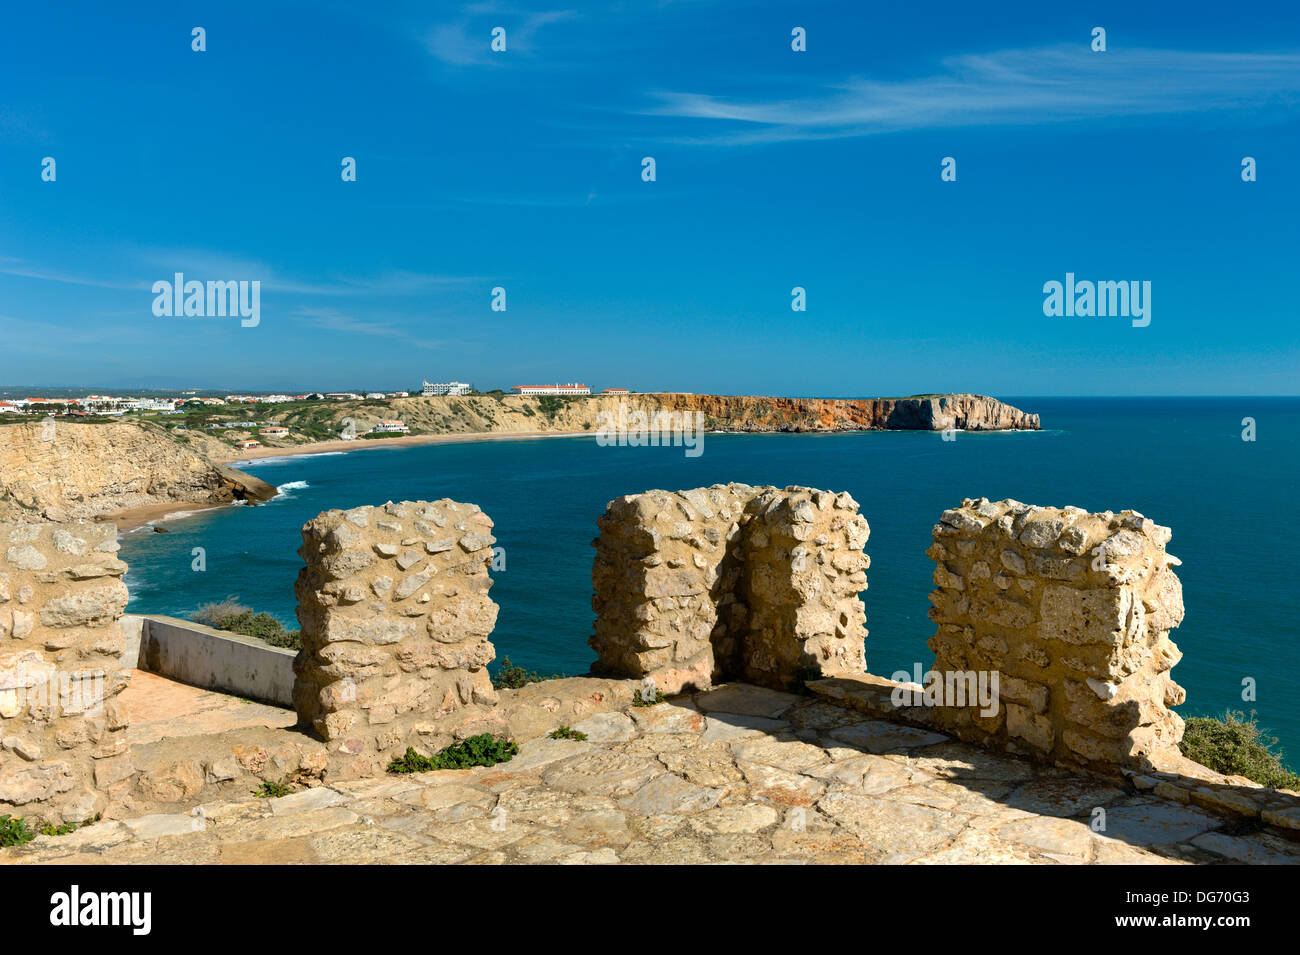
14	832
69	827
270	790
566	732
482	750
234	617
211	615
1236	746
639	698
511	677
550	404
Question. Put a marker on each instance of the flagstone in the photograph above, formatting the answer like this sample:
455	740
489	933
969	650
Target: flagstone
736	775
747	700
877	736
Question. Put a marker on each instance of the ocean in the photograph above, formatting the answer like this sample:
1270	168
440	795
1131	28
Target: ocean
1182	462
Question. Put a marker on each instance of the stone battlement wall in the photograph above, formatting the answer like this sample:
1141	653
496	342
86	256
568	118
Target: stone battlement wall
1073	610
396	619
730	582
1070	610
64	752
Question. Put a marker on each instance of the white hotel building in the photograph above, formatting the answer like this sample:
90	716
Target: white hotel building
446	388
573	388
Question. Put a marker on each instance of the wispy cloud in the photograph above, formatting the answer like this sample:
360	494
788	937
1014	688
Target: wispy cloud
397	282
334	320
205	265
21	268
43	337
155	264
1047	84
467	42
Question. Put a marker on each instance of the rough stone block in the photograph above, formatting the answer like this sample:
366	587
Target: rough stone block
730	582
395	626
63	731
1075	621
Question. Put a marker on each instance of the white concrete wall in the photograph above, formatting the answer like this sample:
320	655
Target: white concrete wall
212	659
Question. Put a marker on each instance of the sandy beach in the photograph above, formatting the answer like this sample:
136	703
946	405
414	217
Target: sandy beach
130	518
236	457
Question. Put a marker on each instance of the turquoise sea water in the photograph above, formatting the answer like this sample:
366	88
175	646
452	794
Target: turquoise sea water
1181	462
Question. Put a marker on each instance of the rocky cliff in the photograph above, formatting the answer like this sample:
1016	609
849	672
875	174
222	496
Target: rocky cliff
917	413
66	471
73	471
477	414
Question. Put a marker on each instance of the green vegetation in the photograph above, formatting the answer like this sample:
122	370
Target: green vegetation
482	750
1236	746
640	699
551	404
234	617
566	732
511	677
270	790
9	498
14	832
312	419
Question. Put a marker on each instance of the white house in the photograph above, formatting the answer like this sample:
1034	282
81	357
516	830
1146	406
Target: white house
445	388
572	388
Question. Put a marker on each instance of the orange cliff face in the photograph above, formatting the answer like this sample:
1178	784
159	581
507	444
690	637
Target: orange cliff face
528	414
64	470
922	413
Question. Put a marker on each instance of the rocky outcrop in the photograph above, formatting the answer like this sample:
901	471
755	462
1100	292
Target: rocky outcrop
64	471
513	414
918	413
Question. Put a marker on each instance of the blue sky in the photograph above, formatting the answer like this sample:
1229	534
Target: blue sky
775	169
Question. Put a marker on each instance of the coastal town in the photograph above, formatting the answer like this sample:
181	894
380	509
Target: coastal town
113	405
226	416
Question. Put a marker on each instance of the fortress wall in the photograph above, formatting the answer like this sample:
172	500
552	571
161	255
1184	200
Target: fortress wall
63	748
665	578
729	582
1073	611
804	569
396	619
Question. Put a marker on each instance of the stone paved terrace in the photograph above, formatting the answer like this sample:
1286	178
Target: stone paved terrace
164	709
735	775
